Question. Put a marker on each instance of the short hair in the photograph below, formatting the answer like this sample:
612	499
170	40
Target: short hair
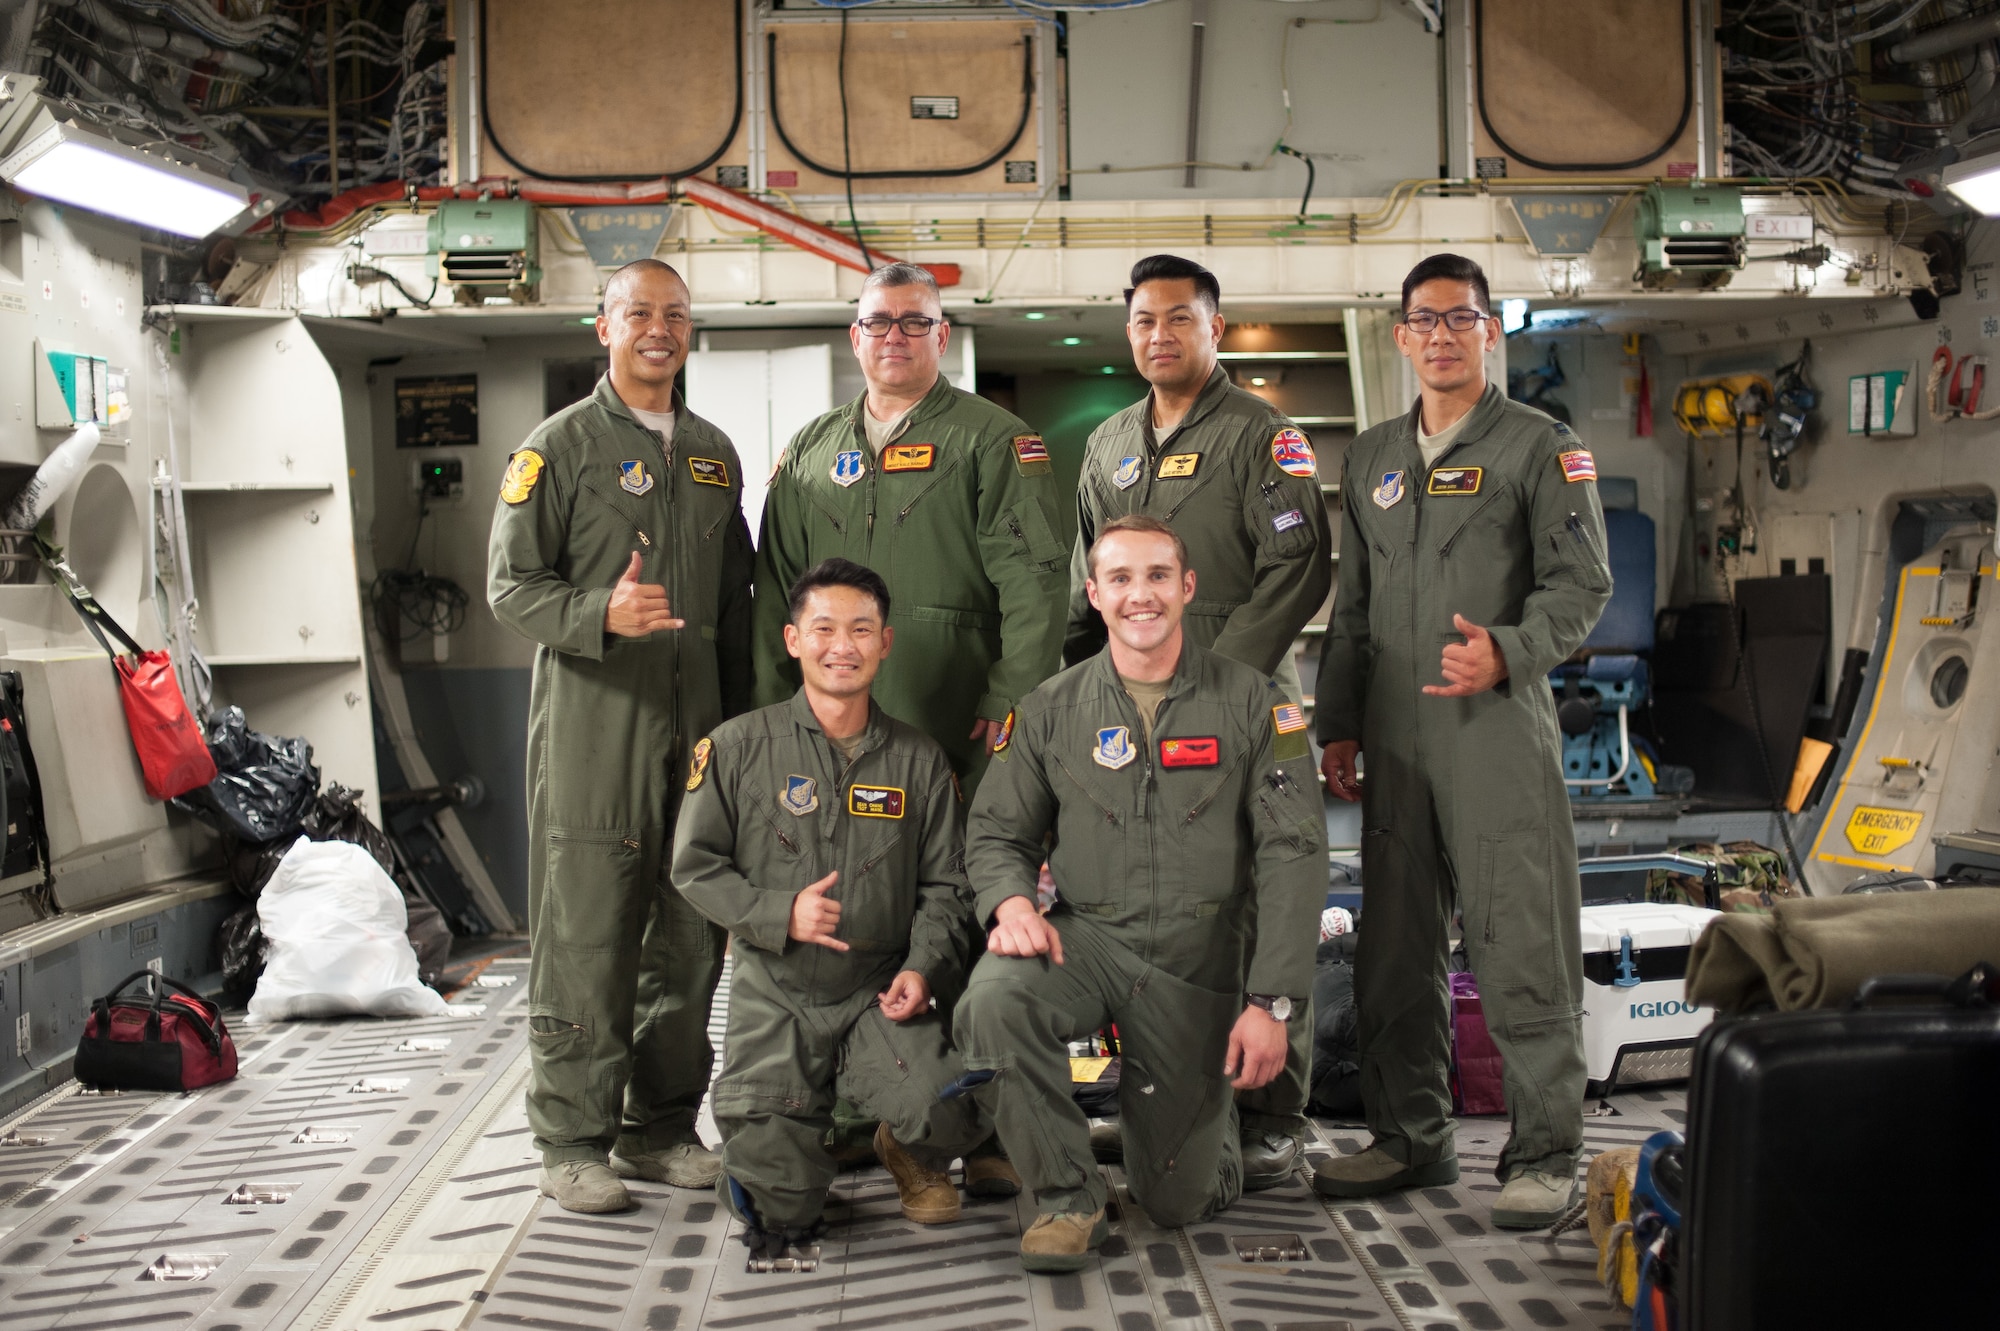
1140	522
838	572
1173	268
1449	268
903	275
615	284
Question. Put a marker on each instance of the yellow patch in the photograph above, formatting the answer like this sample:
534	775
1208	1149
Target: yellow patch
909	457
1006	735
1881	831
698	764
1456	481
875	801
707	471
523	470
1178	466
776	467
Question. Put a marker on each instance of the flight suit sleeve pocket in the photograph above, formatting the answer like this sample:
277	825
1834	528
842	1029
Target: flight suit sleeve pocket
1577	550
1034	538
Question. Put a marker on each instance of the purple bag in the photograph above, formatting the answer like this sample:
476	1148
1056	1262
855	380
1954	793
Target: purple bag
1476	1069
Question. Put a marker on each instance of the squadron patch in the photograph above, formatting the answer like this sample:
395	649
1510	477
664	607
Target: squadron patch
523	470
776	467
1390	492
909	457
1290	743
1578	465
1114	748
875	801
1127	475
847	466
1178	466
1005	737
707	471
698	764
1191	751
1293	453
1456	481
801	795
633	478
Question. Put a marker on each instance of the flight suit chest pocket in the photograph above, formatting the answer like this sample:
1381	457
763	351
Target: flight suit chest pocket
1471	524
1092	833
1201	799
914	474
875	903
777	837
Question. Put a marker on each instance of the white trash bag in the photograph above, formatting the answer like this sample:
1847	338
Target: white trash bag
334	924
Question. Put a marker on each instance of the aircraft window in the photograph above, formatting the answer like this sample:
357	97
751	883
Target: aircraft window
1948	681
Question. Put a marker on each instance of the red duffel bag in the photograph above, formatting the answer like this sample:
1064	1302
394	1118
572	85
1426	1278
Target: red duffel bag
157	1041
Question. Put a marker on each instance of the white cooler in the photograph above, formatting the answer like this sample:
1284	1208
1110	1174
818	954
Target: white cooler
1638	1026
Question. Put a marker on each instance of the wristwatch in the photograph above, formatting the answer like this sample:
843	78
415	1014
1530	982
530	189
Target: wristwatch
1279	1006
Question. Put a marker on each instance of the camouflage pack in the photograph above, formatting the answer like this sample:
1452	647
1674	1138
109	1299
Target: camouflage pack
1749	878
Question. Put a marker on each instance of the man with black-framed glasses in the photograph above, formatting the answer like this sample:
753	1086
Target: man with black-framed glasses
1472	562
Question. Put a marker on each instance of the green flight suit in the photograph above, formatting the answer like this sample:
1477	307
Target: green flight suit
959	516
1166	855
1466	793
1261	548
623	970
778	808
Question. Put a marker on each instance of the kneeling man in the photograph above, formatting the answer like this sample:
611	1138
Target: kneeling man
827	837
1172	793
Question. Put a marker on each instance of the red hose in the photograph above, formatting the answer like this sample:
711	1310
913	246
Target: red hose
349	202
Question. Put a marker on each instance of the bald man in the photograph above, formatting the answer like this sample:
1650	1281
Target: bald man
619	547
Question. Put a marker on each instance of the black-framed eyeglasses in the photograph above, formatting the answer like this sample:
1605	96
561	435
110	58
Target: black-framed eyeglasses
913	325
1461	320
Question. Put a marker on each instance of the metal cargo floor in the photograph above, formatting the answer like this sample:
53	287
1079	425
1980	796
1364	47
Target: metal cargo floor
417	1211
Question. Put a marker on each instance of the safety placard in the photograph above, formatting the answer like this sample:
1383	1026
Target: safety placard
1881	831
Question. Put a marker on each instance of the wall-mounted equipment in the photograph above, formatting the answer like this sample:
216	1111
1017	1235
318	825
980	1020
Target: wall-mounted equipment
87	167
74	388
1713	408
486	247
1955	386
1882	403
1689	235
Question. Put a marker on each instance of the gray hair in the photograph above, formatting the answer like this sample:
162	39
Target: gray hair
903	275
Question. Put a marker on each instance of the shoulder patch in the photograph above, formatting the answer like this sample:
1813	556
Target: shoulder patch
1578	464
776	467
1289	743
1293	453
698	763
1005	737
524	469
1031	455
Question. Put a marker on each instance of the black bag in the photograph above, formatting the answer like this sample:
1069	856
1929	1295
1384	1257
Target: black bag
263	787
154	1042
26	848
1336	1060
1835	1157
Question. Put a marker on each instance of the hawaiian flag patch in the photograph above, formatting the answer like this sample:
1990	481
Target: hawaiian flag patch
1578	465
1292	453
1030	448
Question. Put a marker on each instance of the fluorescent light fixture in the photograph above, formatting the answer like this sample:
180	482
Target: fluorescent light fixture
1034	314
1976	181
72	165
1513	315
1109	369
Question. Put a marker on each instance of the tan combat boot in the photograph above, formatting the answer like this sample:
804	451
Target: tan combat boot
685	1165
991	1176
928	1197
584	1185
1062	1242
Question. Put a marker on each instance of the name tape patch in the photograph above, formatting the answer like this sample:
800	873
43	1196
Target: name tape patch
875	801
909	457
1191	751
1578	465
1456	481
1178	466
1287	520
708	471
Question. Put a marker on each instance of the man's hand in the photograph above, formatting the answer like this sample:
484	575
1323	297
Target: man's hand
1473	668
638	608
987	732
1020	931
1256	1049
814	918
1336	762
908	995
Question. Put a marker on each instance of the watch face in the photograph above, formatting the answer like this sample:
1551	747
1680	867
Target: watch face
1281	1008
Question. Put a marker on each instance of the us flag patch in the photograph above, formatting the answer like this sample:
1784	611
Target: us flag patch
1578	465
1288	717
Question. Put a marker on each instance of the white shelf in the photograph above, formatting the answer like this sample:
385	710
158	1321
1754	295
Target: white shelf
1324	420
1281	355
260	487
196	314
1330	488
281	660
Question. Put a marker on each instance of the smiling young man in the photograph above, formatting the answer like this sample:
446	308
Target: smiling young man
1240	484
1472	563
620	549
827	837
1171	791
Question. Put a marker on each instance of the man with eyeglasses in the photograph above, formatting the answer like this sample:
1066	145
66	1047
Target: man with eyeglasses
1240	484
620	549
1472	562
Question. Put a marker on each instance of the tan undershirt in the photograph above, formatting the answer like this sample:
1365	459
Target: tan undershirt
1433	446
1148	694
848	746
882	433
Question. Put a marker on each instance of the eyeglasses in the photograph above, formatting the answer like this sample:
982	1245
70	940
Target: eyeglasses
913	325
1460	320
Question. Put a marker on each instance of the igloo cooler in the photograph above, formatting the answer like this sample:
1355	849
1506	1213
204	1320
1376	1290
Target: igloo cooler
1638	1027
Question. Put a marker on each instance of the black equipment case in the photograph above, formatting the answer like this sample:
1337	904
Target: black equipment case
1843	1166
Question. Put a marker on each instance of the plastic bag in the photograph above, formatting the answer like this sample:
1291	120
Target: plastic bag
239	945
335	926
263	787
1336	1062
336	816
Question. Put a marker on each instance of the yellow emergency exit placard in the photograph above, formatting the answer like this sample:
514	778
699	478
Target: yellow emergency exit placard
1881	831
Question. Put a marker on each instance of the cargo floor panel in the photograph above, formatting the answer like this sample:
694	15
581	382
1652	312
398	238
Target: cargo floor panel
381	1174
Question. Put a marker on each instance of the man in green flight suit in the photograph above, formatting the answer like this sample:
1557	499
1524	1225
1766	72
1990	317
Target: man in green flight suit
1239	483
619	546
952	500
1472	563
1173	790
828	838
